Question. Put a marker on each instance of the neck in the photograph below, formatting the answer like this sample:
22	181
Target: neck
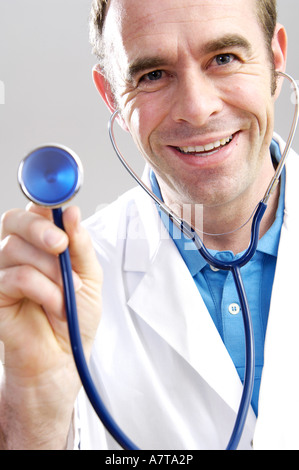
234	233
228	226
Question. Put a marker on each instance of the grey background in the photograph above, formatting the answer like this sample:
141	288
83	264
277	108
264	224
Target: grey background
45	65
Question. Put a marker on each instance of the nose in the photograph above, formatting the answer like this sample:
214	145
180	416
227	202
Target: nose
196	98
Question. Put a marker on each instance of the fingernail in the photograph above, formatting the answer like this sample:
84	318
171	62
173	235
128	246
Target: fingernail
53	238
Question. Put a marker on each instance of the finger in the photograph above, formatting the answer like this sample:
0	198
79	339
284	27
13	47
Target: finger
16	252
84	260
25	282
40	210
35	229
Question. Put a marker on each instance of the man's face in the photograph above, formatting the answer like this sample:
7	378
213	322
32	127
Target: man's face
193	80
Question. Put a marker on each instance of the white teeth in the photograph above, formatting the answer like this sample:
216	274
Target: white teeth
206	148
209	147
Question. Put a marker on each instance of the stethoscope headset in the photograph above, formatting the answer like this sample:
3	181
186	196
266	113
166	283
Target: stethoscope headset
51	175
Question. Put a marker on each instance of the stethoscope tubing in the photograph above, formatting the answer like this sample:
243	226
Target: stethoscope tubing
234	266
78	350
238	262
83	369
249	363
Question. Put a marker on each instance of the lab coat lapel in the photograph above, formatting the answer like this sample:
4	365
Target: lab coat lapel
178	315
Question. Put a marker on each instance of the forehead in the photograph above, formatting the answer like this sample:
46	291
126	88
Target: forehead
135	26
136	16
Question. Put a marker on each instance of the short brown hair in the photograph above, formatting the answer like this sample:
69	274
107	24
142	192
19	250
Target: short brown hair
267	15
96	25
266	12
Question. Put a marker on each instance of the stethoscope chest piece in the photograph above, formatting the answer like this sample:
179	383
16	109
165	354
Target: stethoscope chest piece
50	175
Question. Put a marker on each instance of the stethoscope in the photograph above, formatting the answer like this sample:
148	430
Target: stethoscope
51	175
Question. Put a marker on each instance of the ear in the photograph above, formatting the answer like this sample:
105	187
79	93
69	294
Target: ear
279	48
104	88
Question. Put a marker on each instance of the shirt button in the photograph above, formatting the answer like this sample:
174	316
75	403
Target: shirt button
234	309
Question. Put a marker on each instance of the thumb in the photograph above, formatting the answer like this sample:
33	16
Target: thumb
82	253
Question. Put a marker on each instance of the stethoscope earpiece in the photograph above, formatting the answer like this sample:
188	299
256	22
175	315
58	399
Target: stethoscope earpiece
50	175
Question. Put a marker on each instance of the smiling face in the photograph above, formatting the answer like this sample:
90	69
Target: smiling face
193	80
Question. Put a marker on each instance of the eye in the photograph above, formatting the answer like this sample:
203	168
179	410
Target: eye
154	81
225	59
152	76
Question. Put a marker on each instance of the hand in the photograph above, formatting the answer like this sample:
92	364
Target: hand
39	368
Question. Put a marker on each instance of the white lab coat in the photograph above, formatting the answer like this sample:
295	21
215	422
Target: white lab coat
158	359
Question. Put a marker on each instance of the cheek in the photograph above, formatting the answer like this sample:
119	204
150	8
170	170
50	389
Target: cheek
138	129
143	118
254	99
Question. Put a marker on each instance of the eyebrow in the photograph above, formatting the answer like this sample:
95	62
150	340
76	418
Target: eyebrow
230	40
145	63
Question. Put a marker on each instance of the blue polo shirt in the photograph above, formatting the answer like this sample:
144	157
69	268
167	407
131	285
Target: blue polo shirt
218	290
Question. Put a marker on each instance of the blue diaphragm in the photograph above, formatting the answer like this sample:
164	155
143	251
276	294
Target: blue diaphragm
50	175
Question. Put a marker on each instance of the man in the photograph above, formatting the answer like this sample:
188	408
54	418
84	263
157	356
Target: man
196	85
